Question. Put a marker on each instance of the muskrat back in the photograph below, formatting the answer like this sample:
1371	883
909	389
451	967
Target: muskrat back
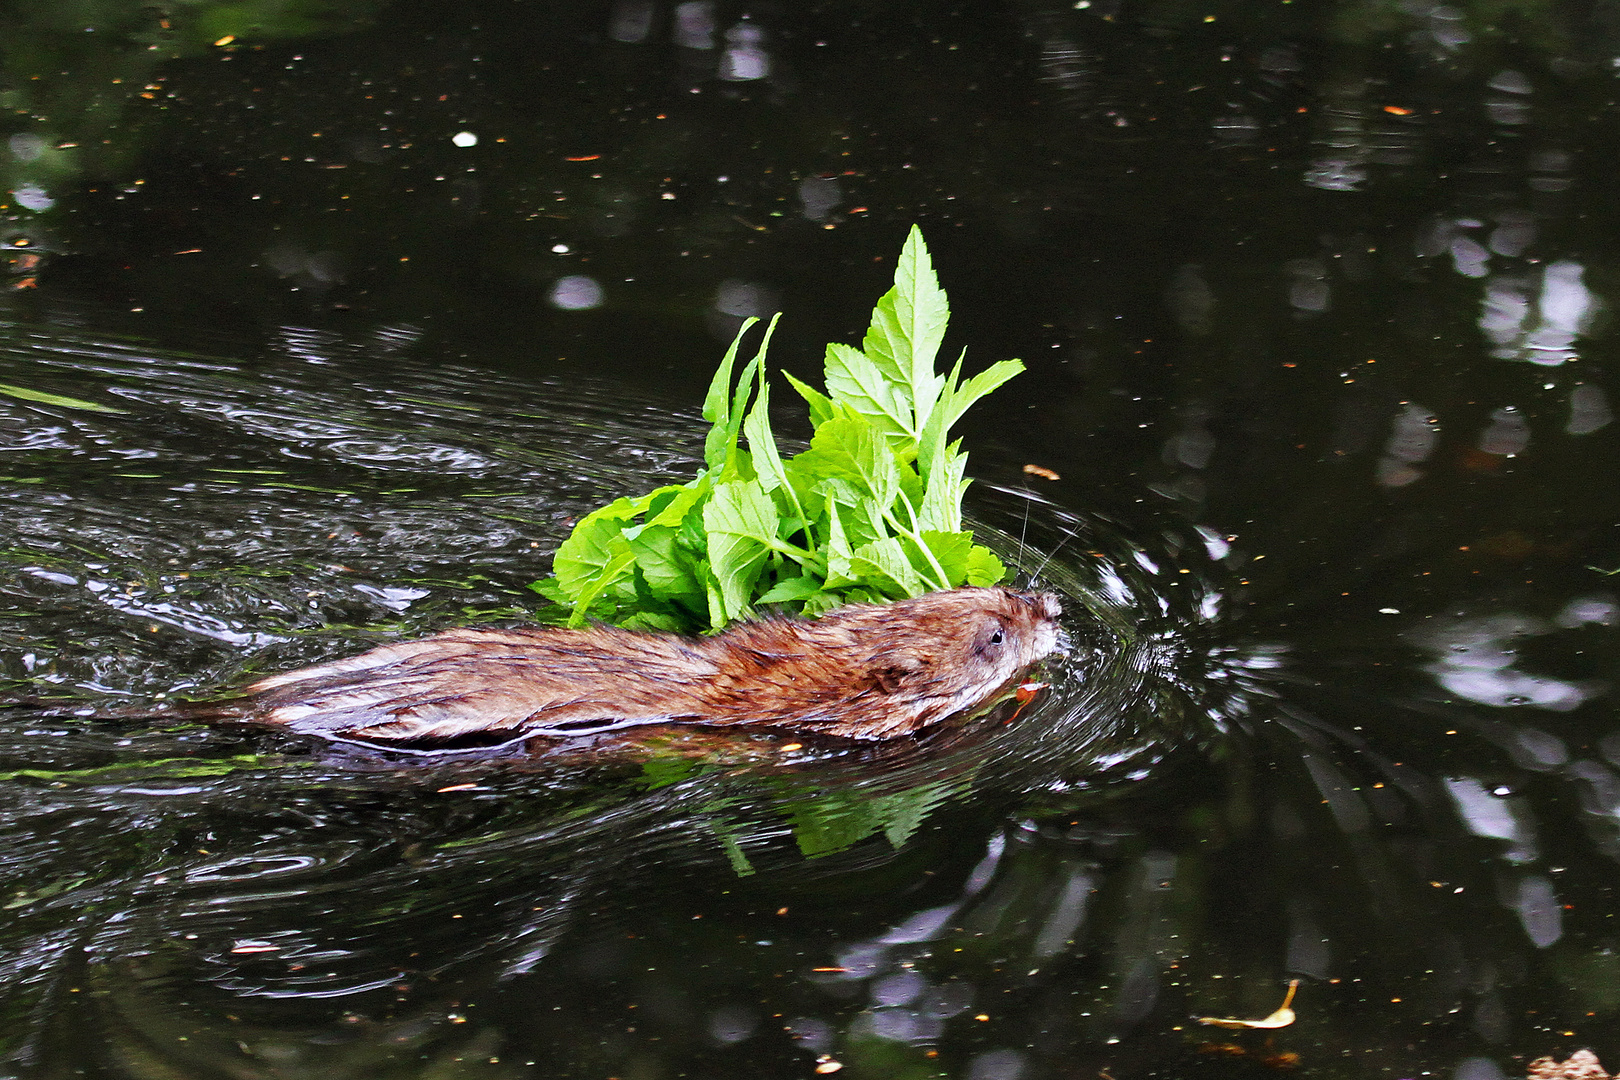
866	671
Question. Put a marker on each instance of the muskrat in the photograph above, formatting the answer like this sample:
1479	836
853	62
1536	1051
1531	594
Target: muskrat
865	671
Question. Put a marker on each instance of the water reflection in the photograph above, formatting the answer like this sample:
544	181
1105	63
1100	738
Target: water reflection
1475	658
1536	320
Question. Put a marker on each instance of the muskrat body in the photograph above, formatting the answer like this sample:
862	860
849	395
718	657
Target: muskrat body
866	671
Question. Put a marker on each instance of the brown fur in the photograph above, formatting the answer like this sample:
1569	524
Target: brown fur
866	671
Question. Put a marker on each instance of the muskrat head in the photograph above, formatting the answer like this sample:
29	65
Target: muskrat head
962	645
1010	631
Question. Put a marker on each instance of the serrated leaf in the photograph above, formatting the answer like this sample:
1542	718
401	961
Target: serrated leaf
675	510
653	620
839	552
618	567
942	498
741	523
960	397
768	465
821	603
855	381
664	565
908	326
593	545
953	552
821	408
860	519
791	590
984	569
931	440
717	403
552	590
884	564
849	448
736	464
657	498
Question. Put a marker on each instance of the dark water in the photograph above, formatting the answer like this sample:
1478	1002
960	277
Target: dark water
1316	303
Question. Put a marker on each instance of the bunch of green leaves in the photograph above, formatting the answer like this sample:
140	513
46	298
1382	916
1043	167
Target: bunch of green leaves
871	511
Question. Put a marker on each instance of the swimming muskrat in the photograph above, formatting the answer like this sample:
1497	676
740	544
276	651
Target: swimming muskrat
865	671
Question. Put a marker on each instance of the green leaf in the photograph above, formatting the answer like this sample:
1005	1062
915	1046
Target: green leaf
860	519
823	602
960	397
942	500
855	381
768	464
840	554
666	567
741	522
954	402
717	406
652	620
984	568
884	564
791	590
908	326
953	552
676	509
591	547
849	448
618	567
821	409
552	590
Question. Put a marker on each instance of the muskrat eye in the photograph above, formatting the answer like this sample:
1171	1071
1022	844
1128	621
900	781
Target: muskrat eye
995	638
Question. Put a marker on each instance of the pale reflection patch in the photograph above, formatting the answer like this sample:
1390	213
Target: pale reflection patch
1475	659
1535	320
1416	431
745	57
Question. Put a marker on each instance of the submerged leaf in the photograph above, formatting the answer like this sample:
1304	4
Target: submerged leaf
23	393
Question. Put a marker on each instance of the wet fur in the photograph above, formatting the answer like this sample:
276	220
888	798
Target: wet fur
867	671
